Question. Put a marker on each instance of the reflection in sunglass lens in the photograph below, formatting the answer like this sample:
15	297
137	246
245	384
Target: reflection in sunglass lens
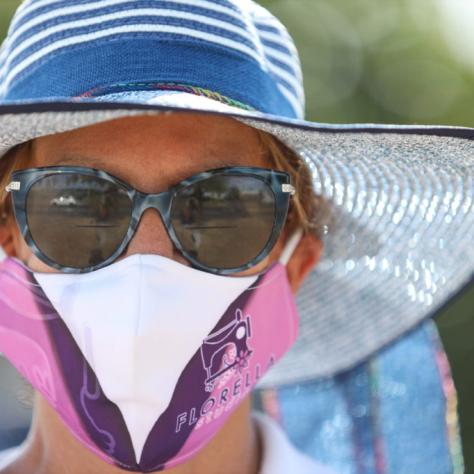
224	221
78	220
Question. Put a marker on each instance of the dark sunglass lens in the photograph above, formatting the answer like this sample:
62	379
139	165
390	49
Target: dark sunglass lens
78	220
225	221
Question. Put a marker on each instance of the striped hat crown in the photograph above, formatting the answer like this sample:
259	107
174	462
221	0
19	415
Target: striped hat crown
230	50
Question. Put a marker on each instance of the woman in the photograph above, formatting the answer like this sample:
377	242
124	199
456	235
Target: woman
144	326
127	148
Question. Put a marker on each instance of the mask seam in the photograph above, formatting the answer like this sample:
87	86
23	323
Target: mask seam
139	309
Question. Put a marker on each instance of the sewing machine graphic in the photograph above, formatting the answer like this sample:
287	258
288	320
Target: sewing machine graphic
226	349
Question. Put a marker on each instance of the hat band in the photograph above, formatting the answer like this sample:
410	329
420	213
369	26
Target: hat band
164	86
149	61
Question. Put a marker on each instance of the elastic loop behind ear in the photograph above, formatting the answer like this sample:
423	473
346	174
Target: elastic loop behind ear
290	246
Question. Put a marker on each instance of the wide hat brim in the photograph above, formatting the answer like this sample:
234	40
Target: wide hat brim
400	245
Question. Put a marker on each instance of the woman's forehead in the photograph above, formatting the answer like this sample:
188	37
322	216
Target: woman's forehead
176	145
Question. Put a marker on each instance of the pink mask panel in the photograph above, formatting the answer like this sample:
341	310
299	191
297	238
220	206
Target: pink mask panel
146	359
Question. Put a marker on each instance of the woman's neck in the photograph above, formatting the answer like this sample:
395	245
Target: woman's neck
52	449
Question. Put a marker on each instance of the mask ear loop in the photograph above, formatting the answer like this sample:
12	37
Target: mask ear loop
290	246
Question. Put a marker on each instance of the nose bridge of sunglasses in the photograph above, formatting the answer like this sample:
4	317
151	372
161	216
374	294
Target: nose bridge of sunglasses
161	203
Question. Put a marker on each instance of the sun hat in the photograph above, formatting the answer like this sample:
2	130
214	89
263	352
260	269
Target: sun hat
400	246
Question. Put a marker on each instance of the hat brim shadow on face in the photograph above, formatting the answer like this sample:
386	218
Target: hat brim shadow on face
400	246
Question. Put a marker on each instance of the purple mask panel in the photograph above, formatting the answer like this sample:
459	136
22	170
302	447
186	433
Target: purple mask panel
40	335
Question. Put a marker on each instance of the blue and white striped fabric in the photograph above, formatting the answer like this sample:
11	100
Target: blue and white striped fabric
68	48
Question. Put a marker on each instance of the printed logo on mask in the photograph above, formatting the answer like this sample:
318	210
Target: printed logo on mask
226	349
230	374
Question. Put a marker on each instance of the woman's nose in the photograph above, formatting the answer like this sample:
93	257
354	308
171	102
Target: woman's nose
151	237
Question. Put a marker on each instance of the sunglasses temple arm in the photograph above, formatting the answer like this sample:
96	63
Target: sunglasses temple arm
290	246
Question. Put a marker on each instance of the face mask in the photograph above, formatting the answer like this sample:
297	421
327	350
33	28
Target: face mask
146	359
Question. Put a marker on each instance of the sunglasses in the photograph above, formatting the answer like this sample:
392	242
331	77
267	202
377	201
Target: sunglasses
222	221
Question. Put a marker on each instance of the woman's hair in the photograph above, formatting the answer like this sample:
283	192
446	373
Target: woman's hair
307	210
10	162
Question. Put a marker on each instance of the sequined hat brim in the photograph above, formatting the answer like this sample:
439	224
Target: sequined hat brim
400	246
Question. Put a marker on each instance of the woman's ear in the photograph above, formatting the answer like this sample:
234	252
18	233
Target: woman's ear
305	257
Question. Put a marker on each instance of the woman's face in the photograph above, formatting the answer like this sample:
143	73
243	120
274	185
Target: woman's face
151	154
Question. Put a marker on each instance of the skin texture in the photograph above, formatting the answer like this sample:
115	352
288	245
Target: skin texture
150	153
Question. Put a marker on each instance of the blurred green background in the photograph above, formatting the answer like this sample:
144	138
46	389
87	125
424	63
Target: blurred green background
396	61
